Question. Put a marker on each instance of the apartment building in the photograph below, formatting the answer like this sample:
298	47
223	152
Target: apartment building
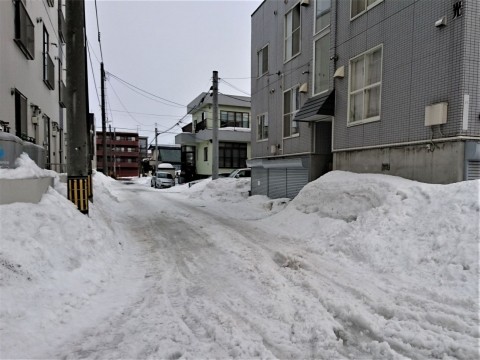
123	154
233	135
377	86
32	82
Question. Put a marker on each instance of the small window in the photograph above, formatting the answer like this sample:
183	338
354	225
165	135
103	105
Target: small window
205	153
365	86
292	33
321	78
262	127
24	31
358	7
291	104
20	115
263	61
51	3
322	14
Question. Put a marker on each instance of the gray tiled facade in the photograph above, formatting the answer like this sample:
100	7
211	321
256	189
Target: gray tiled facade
422	64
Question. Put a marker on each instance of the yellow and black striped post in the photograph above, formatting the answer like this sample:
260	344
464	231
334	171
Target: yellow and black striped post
78	192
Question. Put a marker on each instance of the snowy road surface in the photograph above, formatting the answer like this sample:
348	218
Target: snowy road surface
200	277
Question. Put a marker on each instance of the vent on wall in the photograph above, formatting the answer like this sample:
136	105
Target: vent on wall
436	114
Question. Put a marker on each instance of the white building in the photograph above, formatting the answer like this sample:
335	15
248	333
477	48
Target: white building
32	78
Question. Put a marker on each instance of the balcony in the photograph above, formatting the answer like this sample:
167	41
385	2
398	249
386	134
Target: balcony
24	31
62	94
202	125
48	71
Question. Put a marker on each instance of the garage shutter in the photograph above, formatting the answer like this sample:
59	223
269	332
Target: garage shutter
296	180
473	170
259	181
277	183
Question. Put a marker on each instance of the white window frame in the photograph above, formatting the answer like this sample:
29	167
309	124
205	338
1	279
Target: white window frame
285	37
294	107
367	7
262	123
364	88
323	34
260	55
315	30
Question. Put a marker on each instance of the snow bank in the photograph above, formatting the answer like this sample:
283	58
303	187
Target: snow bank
393	225
26	168
53	259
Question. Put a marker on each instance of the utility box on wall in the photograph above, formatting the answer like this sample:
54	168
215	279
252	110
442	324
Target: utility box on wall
436	114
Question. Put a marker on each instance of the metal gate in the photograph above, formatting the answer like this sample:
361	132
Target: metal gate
296	180
473	170
277	183
259	181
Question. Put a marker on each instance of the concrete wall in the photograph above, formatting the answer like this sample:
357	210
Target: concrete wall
437	163
23	190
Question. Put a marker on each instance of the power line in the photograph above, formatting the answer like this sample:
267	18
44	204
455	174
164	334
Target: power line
233	97
98	28
121	103
145	91
94	54
234	87
93	73
146	114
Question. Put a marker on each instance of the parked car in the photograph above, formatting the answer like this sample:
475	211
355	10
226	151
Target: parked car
241	173
162	180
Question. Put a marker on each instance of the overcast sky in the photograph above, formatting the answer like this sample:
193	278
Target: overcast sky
168	48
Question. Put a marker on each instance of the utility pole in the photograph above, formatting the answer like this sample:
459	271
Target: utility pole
156	150
215	127
78	151
104	120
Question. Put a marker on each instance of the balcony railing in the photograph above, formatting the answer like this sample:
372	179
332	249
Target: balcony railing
62	94
24	31
202	125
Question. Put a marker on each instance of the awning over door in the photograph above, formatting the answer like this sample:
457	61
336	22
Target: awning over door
317	108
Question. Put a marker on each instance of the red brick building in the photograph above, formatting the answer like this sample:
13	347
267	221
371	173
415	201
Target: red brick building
123	153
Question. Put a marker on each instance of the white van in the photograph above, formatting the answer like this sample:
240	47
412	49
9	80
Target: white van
167	168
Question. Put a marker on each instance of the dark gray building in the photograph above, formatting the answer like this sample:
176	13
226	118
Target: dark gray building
377	86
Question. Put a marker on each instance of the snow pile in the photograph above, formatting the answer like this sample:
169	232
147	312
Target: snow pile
52	257
222	189
356	266
26	168
392	223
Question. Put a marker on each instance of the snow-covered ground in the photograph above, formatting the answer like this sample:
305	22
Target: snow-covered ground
355	267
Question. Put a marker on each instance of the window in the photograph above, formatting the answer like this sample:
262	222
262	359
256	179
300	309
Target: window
263	61
234	119
24	31
291	104
262	127
48	66
46	142
292	33
232	155
322	14
51	3
359	6
205	153
365	86
20	115
322	62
